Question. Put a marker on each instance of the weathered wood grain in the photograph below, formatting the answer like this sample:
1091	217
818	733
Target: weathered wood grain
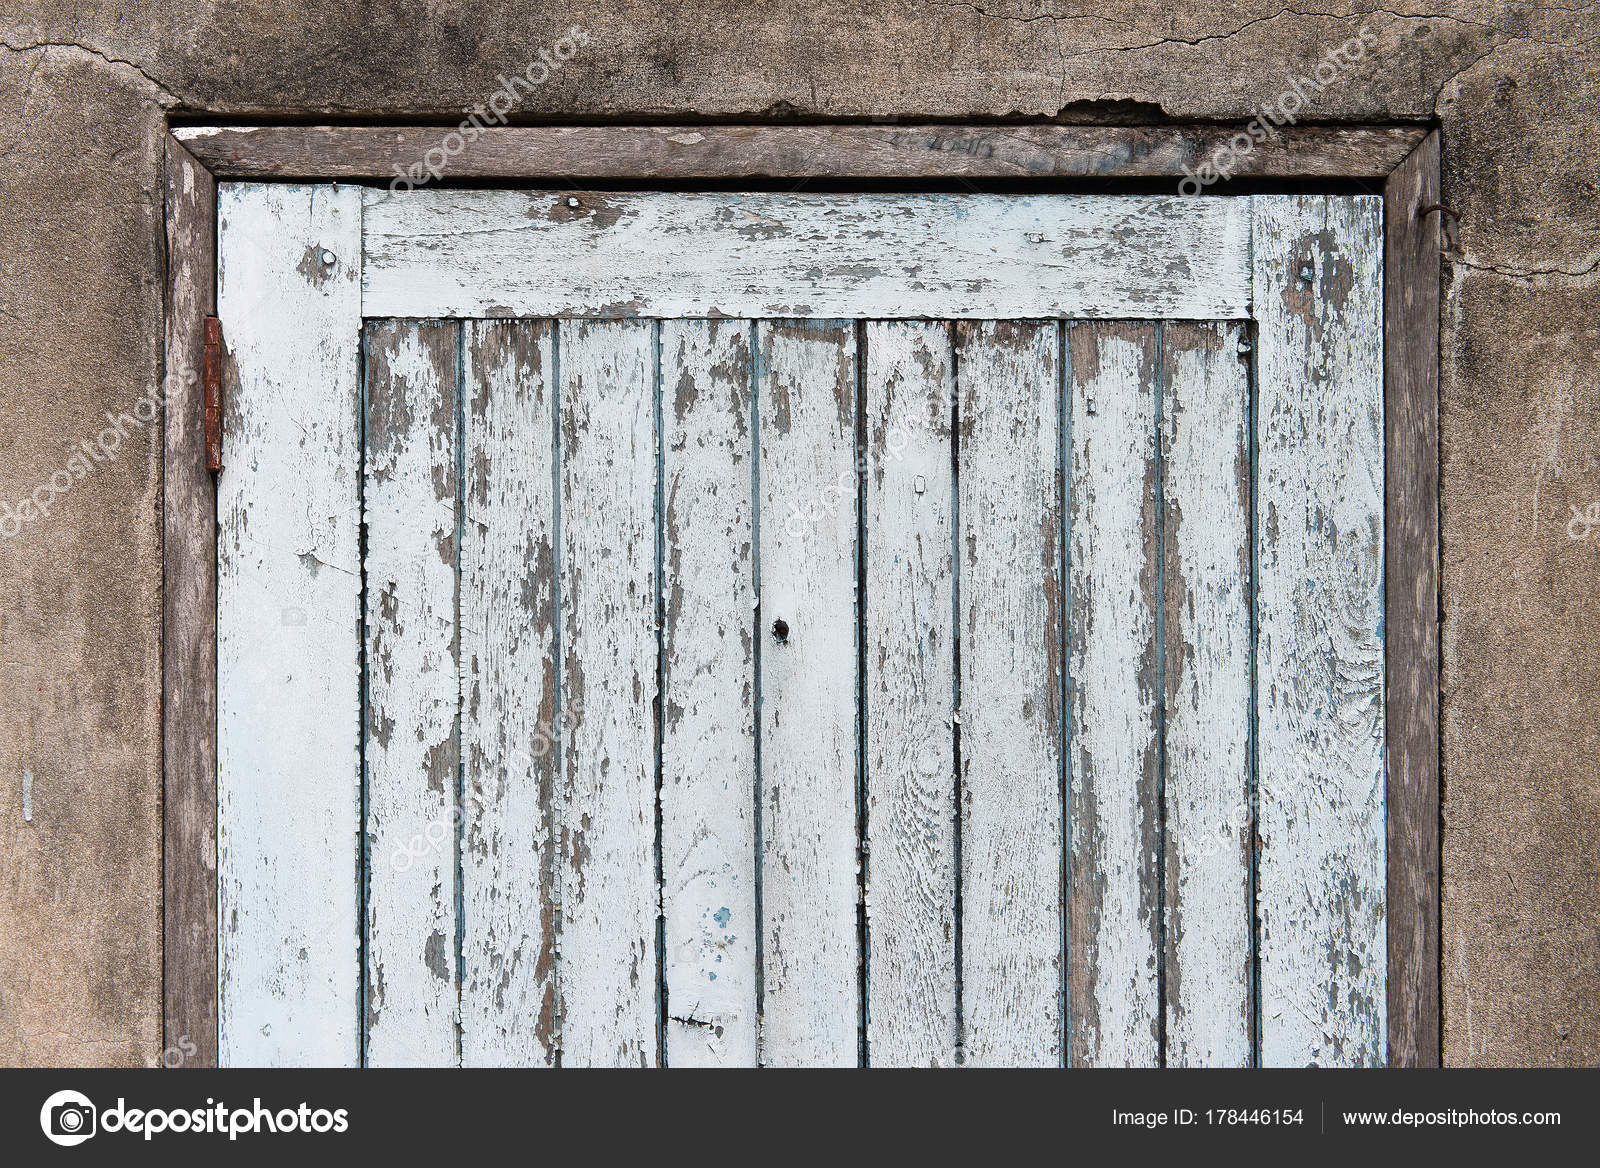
1011	660
1115	807
850	151
288	615
1205	546
809	863
816	256
1411	602
607	964
910	695
708	845
553	874
189	624
510	846
1320	653
413	746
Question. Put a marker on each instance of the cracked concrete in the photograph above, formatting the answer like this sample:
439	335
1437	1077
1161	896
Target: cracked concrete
85	89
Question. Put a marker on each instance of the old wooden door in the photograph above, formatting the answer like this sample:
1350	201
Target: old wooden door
687	628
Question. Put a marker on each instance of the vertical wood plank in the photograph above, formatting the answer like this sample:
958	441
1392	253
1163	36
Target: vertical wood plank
413	692
607	966
1011	661
1205	471
1115	812
910	687
810	889
189	624
708	848
1411	601
509	854
1320	655
288	619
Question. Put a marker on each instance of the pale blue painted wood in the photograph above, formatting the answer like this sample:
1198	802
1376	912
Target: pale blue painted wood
713	513
288	620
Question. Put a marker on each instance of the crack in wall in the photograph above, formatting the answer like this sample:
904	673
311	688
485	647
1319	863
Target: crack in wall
169	97
1526	275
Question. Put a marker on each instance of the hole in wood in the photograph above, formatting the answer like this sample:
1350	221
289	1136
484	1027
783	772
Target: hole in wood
780	631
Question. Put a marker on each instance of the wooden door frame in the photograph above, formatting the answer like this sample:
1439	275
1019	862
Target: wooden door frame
1401	161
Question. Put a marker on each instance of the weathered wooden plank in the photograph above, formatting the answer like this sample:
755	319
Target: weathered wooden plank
189	625
1205	542
288	615
533	253
413	746
510	845
859	151
910	695
1011	659
607	964
809	863
708	844
1411	602
1320	653
1115	812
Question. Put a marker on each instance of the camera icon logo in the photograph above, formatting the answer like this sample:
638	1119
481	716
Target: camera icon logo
68	1118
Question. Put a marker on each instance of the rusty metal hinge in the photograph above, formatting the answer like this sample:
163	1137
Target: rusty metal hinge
213	393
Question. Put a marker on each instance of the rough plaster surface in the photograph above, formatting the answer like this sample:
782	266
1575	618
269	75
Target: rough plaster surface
85	89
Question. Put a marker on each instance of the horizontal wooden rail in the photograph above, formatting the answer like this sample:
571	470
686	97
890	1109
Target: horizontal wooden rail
418	154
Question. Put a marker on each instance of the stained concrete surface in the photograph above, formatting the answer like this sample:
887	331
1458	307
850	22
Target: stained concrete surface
85	93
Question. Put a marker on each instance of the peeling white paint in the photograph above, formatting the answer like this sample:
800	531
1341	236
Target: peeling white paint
1011	851
607	964
708	837
510	875
1114	748
574	853
911	891
815	256
412	752
1320	657
808	697
288	698
1206	524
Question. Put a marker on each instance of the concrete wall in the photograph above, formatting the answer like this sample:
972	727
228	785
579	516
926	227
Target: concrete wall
85	91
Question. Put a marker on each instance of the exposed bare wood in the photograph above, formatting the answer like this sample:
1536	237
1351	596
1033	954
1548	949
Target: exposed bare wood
413	747
1205	553
189	617
1115	653
1411	591
607	965
1011	614
510	839
401	154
